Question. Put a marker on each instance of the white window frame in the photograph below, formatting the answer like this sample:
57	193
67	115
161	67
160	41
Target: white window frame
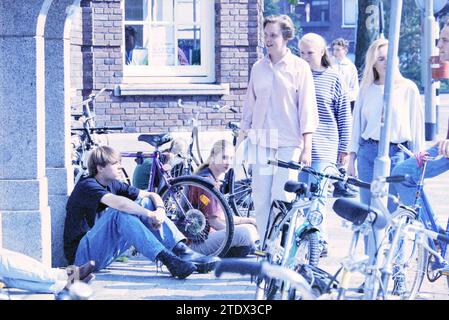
343	21
204	73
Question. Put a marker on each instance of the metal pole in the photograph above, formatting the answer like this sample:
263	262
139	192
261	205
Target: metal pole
382	162
429	87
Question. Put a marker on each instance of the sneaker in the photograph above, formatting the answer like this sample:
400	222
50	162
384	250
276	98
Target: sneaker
342	191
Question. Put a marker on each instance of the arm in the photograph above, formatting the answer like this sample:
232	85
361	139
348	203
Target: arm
417	121
343	117
248	108
128	206
308	112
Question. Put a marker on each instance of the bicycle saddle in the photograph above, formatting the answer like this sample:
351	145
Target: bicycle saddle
295	187
156	140
356	212
234	125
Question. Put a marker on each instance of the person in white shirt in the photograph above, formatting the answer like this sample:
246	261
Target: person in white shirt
346	69
350	81
407	125
279	116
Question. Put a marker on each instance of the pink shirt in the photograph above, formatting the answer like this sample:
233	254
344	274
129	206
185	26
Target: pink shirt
280	100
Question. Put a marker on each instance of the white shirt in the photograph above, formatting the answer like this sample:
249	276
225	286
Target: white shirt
281	101
349	76
407	116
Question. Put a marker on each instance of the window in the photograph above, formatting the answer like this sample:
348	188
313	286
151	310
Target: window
169	41
314	11
349	18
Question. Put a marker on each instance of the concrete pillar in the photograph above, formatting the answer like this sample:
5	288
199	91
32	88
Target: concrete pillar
24	210
57	111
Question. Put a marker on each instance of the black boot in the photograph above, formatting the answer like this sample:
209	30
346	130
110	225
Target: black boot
177	267
203	263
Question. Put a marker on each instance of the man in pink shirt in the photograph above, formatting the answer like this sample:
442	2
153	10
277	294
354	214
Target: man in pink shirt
279	116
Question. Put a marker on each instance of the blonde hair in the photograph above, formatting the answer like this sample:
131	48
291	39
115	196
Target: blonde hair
369	72
317	40
285	22
219	146
102	156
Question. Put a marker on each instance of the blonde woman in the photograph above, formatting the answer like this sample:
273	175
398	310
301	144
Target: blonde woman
245	231
279	116
407	117
331	139
407	123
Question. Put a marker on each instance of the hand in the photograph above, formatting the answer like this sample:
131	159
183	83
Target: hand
352	171
343	159
242	136
443	148
156	217
306	157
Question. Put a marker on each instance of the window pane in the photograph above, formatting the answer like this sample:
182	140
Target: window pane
162	10
187	11
189	45
350	14
136	10
162	49
135	53
319	10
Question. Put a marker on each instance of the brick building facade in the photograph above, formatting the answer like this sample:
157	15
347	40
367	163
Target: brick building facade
97	61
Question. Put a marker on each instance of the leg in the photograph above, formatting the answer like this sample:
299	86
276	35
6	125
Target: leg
23	272
111	235
244	235
406	189
169	235
261	185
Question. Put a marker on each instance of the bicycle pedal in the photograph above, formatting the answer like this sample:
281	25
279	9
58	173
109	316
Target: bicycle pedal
260	253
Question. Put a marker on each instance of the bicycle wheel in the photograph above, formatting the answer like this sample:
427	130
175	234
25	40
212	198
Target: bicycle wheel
190	201
274	249
308	251
409	261
239	196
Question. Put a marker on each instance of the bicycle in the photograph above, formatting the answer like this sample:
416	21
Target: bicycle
292	238
237	188
435	252
188	199
84	139
401	226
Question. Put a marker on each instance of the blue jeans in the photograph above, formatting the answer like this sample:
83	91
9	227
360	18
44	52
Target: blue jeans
366	155
23	272
115	231
320	203
406	190
365	166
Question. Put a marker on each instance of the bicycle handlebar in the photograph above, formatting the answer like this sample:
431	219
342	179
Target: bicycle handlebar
351	180
238	266
99	129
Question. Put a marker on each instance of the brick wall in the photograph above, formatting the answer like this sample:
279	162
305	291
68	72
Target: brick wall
238	45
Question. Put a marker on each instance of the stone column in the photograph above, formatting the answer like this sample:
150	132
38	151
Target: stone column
24	210
57	120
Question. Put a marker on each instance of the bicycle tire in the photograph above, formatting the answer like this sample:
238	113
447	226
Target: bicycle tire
273	244
240	195
414	276
180	192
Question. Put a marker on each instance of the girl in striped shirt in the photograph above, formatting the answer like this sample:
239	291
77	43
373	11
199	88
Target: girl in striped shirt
331	139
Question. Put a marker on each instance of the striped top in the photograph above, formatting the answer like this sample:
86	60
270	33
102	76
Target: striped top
334	129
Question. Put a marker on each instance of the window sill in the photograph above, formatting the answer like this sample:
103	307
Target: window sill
171	89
